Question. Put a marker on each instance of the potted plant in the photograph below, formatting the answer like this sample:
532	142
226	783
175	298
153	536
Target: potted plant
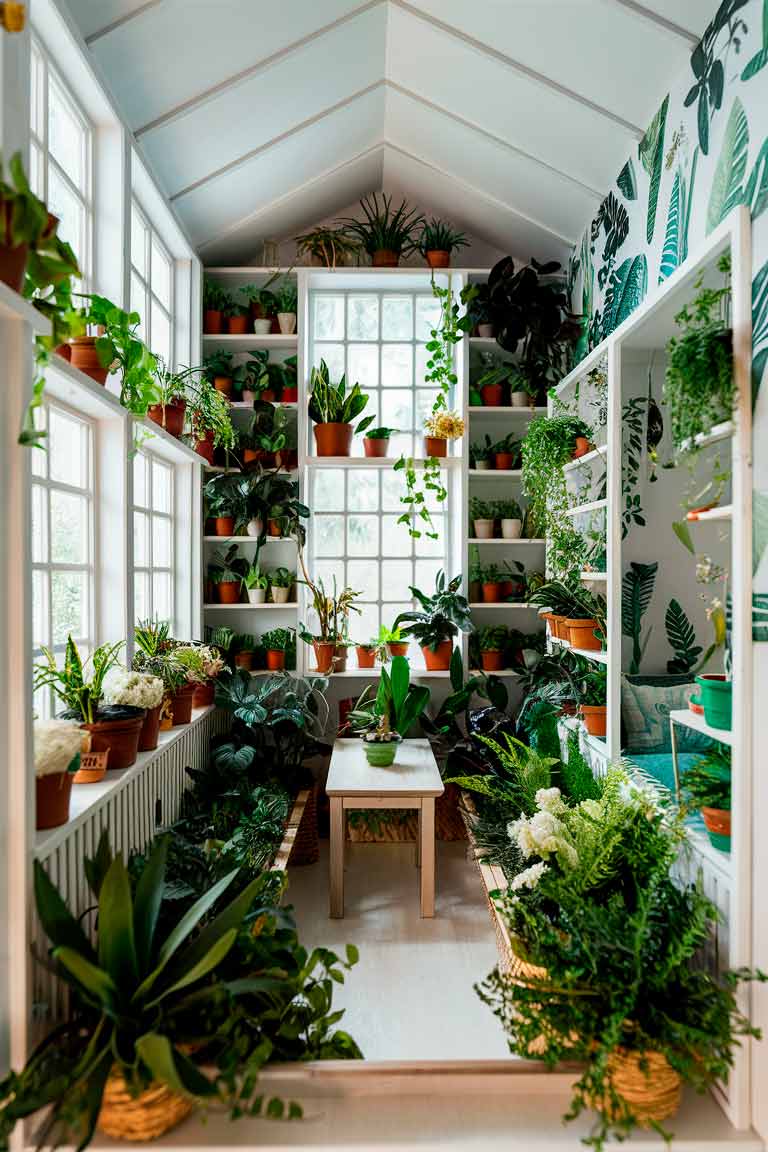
281	581
716	698
255	378
287	298
243	650
492	582
117	348
327	247
256	584
238	318
263	304
506	453
699	387
192	660
138	690
385	234
332	409
511	517
387	718
477	317
80	686
58	744
492	642
522	390
376	441
708	784
155	654
481	455
586	623
209	415
225	502
290	387
367	653
277	642
483	517
493	382
438	240
513	582
442	616
476	573
24	220
591	696
332	613
220	371
212	666
228	570
215	304
270	496
439	428
393	641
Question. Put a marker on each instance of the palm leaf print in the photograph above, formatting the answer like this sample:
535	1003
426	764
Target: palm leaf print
626	290
731	169
626	179
759	328
651	153
671	251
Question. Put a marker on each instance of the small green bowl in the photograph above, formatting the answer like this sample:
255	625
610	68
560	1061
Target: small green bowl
380	755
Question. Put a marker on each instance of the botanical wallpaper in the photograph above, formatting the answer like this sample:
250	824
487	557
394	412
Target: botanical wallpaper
705	151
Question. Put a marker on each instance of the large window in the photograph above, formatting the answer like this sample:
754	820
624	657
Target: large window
62	537
378	339
153	529
152	285
61	157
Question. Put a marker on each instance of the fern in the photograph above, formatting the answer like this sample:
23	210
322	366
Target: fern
636	592
682	639
578	780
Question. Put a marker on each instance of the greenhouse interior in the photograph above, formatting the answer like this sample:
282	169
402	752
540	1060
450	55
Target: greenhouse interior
385	604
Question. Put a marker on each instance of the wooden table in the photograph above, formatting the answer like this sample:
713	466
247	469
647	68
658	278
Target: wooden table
413	781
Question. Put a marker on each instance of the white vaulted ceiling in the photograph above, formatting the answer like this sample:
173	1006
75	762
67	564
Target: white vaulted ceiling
511	116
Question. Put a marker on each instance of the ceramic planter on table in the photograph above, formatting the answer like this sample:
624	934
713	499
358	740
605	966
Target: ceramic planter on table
595	718
333	439
52	796
511	529
380	754
716	694
439	659
484	529
718	824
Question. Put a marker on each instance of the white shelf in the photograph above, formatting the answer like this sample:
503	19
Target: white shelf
375	673
505	409
244	406
594	577
688	719
372	461
64	382
715	515
244	606
254	271
505	673
501	540
504	604
717	433
221	470
589	653
581	509
242	343
489	473
248	539
166	445
587	459
482	341
13	306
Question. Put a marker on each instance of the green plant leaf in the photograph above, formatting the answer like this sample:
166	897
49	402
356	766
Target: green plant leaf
636	592
681	637
149	897
93	978
682	530
117	947
760	59
210	960
172	1068
60	926
727	190
626	290
759	328
671	252
651	153
759	528
627	181
756	192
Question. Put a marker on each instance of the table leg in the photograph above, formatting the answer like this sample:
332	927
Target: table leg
336	866
418	837
427	839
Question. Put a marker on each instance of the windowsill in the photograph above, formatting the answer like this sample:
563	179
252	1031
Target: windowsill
85	796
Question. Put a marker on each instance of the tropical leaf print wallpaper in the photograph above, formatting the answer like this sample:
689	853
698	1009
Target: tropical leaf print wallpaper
705	150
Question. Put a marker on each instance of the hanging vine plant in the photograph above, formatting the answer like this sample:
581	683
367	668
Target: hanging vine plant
547	447
441	422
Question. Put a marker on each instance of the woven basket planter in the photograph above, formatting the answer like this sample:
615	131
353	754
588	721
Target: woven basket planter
403	832
449	824
306	842
651	1092
143	1117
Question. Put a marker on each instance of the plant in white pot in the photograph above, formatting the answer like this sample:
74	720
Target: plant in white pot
256	584
511	517
281	582
286	307
482	515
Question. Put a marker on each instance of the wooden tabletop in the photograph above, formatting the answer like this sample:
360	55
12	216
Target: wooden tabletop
414	773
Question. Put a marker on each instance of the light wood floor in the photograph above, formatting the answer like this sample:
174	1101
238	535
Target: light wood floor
411	996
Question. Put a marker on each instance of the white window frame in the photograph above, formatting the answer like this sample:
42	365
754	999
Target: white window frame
43	160
149	568
152	237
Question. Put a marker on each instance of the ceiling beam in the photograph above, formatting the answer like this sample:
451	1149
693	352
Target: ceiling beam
252	153
522	69
299	191
253	69
691	38
121	20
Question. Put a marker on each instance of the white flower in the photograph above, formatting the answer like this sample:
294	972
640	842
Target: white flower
530	877
592	808
137	689
57	742
551	800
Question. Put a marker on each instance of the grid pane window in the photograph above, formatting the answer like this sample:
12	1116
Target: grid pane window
151	285
60	156
153	532
62	539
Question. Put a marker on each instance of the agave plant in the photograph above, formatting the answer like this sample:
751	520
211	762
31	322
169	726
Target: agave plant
385	229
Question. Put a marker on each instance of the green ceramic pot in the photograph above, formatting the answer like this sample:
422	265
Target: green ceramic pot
717	700
380	755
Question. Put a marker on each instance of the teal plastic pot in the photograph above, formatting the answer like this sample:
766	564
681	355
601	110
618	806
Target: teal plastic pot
717	700
380	755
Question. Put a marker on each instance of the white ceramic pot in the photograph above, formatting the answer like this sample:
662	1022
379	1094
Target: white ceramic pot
511	529
257	595
279	595
519	399
485	330
483	465
262	327
484	529
255	527
249	396
287	322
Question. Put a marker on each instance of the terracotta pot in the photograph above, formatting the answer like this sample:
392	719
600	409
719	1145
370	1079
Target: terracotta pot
229	592
475	591
375	447
385	258
290	395
213	320
440	660
492	661
718	824
286	322
493	395
491	593
205	447
52	795
204	695
244	660
274	528
85	358
150	729
181	704
121	737
269	395
437	258
398	648
324	653
252	455
333	439
223	384
366	657
595	717
505	461
224	525
484	529
65	351
238	325
275	660
557	626
169	416
435	446
13	264
581	634
582	447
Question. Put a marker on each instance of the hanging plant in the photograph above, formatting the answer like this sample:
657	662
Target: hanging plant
547	447
441	423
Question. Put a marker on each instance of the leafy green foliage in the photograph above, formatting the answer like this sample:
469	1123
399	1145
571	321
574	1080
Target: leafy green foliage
675	248
81	693
707	65
633	418
385	228
627	181
331	403
708	781
440	236
626	290
443	614
636	592
726	191
760	59
651	153
548	445
681	636
576	776
759	328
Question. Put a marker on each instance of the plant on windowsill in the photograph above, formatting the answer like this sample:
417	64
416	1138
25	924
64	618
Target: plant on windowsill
708	784
392	642
376	441
332	408
438	240
367	652
276	643
58	748
171	391
328	247
385	234
444	614
332	614
387	718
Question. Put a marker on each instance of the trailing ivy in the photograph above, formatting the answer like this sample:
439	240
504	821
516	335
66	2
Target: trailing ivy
632	420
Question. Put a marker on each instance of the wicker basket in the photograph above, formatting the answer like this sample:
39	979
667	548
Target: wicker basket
390	832
143	1117
652	1092
449	824
306	844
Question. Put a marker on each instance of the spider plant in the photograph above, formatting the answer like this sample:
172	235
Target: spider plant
383	228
